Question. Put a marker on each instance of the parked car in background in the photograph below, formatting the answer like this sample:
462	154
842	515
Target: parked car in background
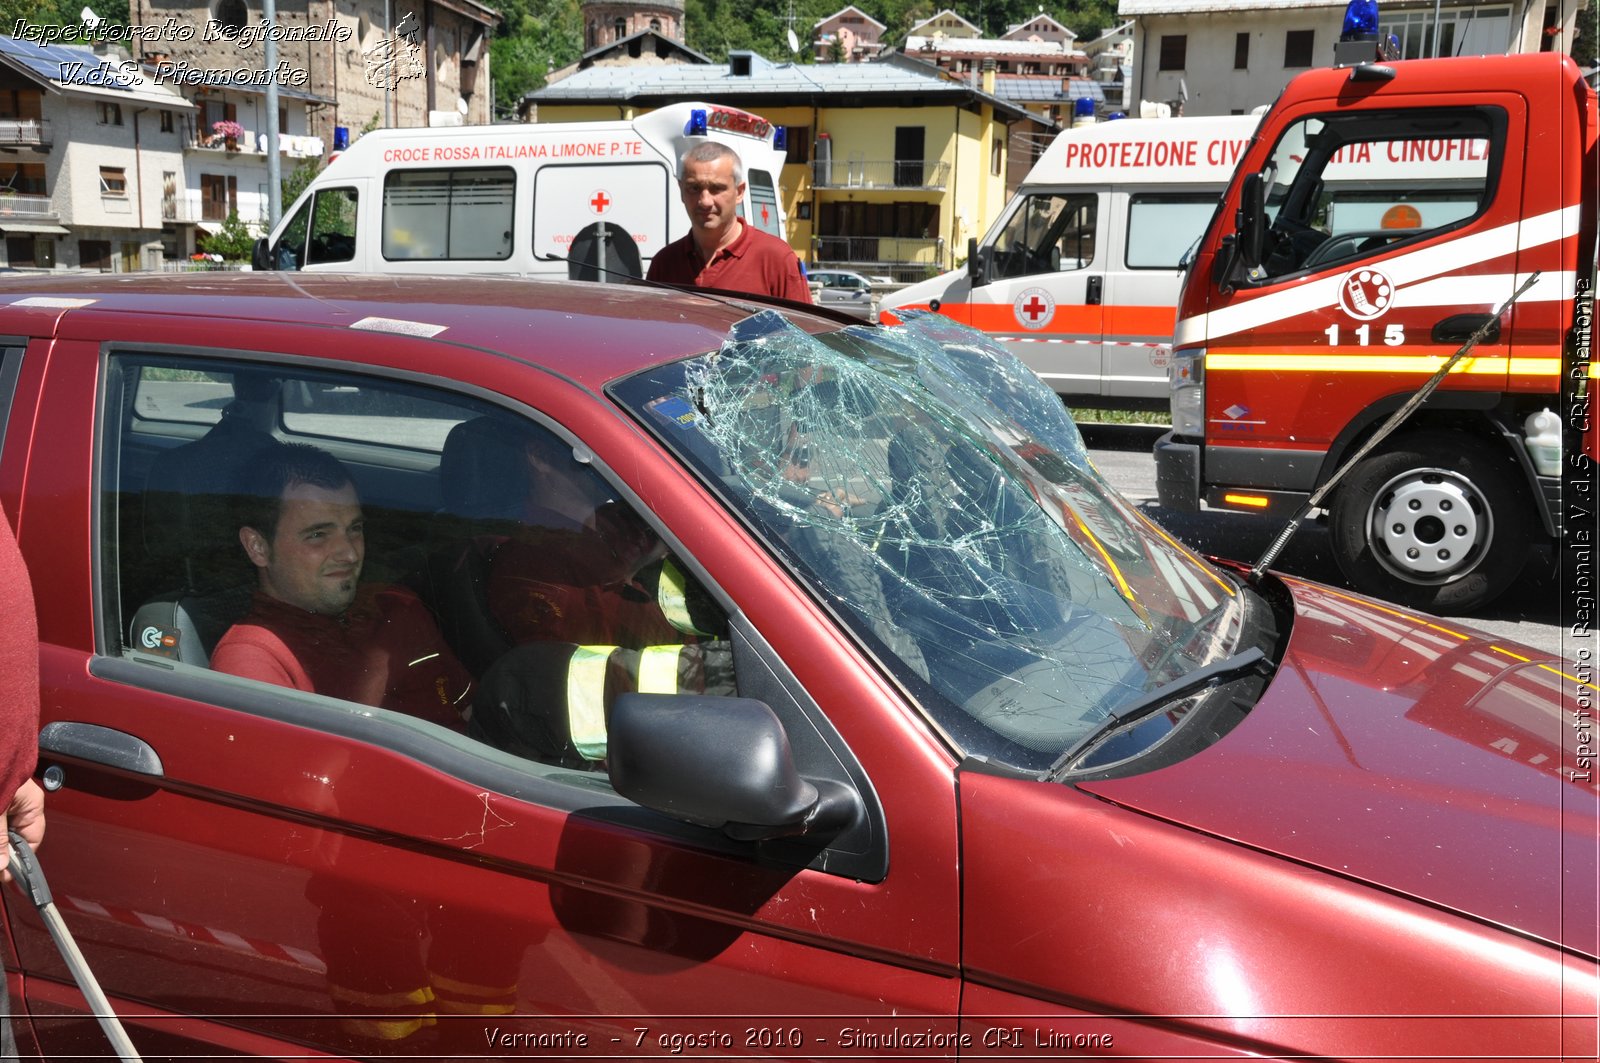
988	762
842	289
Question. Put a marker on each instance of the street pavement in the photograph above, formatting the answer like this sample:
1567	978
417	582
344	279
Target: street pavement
1529	613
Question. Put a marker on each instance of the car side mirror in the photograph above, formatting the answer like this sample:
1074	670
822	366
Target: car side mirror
259	255
977	263
718	762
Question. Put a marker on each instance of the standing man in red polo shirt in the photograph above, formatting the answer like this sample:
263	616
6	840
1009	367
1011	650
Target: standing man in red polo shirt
720	250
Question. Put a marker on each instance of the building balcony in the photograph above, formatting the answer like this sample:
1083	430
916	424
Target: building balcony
255	144
26	133
14	206
899	173
180	211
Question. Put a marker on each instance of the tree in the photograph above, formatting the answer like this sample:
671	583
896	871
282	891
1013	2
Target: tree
233	239
534	38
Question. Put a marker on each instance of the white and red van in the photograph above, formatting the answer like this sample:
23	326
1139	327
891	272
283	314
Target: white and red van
587	200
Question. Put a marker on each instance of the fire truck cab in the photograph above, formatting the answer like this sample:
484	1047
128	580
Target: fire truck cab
1307	318
583	200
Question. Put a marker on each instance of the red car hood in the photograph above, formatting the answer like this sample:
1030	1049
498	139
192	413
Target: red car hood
1415	755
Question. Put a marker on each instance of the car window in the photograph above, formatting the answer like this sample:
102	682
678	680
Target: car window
10	366
497	588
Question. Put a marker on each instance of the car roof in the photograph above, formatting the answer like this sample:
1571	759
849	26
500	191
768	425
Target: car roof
592	333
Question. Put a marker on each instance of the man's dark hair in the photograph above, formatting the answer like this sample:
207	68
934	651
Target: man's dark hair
275	468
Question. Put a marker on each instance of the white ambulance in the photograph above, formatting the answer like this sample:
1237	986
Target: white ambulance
1080	274
586	200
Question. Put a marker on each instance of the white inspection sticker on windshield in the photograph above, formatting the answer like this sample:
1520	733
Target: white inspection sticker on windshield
404	328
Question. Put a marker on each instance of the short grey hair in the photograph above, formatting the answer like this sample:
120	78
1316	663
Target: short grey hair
711	151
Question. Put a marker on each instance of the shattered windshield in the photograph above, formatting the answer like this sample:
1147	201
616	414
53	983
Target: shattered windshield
936	496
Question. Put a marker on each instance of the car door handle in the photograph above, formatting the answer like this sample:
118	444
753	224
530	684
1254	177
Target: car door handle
1458	328
1094	294
100	745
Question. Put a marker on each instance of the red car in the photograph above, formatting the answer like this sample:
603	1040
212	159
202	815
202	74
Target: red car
947	752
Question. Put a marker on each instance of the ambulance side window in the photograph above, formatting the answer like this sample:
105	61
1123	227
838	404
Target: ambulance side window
321	231
448	214
1047	233
333	227
763	201
1162	227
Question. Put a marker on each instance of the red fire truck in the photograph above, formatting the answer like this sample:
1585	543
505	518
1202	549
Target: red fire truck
1306	320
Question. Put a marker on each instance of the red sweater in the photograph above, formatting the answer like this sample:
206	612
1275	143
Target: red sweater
755	262
19	669
385	650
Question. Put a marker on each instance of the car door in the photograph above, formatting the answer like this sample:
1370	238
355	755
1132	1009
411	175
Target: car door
252	869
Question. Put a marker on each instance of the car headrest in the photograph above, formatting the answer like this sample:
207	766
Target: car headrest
483	469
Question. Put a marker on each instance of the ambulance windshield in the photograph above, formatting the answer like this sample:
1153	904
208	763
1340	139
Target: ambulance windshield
936	496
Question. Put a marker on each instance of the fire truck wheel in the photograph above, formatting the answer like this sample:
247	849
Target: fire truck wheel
1434	521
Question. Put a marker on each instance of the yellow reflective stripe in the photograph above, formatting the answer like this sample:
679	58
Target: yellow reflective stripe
673	598
1368	363
658	669
586	707
398	998
445	984
464	1007
385	1029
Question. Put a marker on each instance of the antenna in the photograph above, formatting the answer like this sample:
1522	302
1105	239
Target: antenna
794	41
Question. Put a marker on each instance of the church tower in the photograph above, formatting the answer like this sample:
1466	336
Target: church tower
609	21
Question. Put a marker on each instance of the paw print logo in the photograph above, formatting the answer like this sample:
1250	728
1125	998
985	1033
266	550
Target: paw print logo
1366	294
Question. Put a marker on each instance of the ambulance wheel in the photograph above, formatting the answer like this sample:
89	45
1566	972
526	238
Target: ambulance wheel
1434	521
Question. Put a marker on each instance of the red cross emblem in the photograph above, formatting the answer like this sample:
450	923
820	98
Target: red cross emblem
765	218
1034	308
600	202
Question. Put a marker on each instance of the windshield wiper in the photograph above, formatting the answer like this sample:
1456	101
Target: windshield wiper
1152	701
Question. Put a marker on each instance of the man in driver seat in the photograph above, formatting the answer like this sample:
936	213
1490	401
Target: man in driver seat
312	624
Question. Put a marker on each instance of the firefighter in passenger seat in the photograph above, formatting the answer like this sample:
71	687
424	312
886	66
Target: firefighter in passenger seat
596	607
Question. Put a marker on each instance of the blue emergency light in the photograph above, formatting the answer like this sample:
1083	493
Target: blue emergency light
696	126
1360	20
780	138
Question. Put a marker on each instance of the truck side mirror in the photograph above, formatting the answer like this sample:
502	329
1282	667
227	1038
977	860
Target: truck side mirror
977	263
1251	221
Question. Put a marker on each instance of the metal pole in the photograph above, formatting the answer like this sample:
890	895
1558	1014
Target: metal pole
1436	29
269	15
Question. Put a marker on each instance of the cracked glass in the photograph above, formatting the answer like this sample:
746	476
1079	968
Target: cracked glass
936	496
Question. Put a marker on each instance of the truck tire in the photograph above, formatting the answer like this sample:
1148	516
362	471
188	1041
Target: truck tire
1434	521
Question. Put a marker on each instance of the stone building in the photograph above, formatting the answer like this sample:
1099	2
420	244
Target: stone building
368	63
